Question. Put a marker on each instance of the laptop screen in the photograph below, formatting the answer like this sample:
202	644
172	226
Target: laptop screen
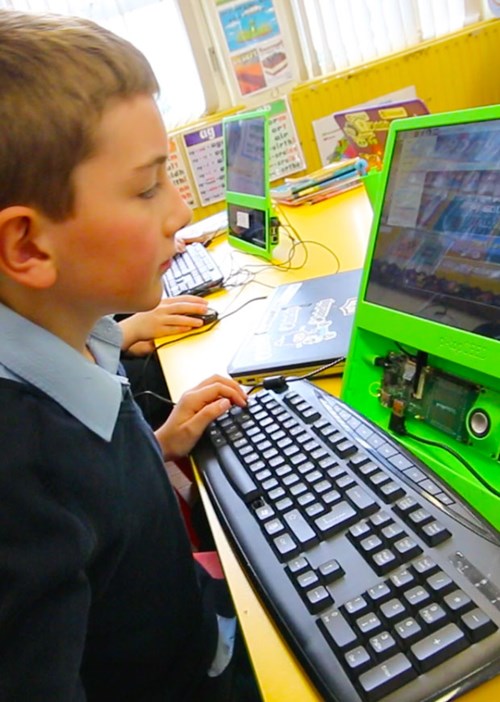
437	252
245	164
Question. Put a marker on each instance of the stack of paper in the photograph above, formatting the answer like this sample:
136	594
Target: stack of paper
332	179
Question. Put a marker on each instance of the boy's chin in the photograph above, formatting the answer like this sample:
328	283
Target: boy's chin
144	303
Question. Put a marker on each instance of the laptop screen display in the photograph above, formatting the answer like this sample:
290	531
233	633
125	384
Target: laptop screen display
245	157
437	252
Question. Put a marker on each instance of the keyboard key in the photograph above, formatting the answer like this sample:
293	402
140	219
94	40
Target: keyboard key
300	529
357	659
477	625
438	647
361	500
318	599
434	533
383	645
407	631
337	629
387	677
339	517
285	546
330	571
356	606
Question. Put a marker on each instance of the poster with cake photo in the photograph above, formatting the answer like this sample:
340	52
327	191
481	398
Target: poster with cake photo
255	44
275	63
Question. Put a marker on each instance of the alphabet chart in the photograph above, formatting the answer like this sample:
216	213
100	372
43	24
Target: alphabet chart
178	174
285	154
205	150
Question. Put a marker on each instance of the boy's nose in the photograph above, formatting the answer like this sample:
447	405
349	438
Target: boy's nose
178	216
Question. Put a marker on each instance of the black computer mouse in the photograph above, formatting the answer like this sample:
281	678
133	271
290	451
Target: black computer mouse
208	317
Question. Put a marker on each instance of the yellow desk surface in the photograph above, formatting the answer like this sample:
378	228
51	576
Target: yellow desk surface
335	238
342	225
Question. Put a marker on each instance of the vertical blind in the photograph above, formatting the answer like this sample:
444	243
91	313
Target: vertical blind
345	33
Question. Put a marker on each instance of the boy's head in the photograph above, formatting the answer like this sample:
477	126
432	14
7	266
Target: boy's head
57	77
87	212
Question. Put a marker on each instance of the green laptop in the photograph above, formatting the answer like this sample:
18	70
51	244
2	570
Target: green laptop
424	357
252	227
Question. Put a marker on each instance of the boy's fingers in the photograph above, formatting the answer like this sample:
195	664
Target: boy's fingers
208	393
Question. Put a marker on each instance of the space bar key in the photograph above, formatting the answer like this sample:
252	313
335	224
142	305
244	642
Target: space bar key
237	475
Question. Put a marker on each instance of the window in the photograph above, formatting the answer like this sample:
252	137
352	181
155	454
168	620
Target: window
157	28
339	34
200	72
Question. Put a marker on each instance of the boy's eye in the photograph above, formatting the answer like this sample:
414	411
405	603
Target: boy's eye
150	192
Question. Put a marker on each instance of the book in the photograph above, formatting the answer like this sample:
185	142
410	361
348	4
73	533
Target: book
366	128
326	181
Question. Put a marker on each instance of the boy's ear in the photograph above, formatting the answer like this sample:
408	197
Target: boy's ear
25	254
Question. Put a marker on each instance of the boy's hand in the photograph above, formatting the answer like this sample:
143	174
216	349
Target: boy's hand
171	316
194	412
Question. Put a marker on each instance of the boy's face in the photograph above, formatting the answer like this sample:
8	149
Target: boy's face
112	253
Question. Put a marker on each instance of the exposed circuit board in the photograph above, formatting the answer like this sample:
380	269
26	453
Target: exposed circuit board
411	388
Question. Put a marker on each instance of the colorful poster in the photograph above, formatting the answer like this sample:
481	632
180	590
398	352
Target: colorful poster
178	173
205	150
248	71
330	139
248	22
255	44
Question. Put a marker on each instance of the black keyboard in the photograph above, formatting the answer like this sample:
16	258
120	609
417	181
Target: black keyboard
192	272
382	579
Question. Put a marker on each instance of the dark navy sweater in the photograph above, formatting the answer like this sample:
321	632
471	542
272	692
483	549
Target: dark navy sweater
99	598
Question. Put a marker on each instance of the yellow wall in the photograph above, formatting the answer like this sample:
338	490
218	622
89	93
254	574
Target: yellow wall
460	70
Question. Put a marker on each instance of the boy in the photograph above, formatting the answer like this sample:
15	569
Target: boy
99	598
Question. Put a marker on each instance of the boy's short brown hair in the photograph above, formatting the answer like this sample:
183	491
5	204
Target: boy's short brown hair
57	76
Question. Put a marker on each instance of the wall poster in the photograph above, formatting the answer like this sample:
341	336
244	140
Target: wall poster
285	154
205	150
255	44
178	173
330	138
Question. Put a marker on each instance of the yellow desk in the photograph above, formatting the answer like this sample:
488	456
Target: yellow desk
335	234
342	225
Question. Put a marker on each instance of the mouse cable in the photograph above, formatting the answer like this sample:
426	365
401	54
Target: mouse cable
209	327
203	330
151	393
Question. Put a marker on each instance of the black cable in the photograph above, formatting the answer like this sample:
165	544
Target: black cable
403	350
455	454
275	382
166	400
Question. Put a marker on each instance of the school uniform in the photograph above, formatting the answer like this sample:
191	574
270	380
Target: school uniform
100	599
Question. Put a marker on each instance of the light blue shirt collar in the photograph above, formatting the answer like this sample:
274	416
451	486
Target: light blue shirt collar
92	393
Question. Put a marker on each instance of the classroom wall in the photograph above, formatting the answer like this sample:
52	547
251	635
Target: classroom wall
457	71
